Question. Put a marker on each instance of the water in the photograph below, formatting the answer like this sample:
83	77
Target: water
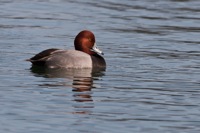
151	84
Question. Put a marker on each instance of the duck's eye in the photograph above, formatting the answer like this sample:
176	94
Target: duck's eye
90	39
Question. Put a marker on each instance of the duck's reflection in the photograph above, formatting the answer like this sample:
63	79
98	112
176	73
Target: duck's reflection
82	87
82	83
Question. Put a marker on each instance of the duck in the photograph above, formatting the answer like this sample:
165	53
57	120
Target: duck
85	55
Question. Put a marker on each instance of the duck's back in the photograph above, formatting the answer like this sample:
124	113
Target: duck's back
56	58
69	59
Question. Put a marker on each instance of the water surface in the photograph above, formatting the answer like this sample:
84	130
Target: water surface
151	83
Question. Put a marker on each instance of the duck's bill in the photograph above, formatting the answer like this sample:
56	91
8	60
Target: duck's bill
96	50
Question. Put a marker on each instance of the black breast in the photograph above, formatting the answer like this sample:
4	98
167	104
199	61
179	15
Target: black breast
98	61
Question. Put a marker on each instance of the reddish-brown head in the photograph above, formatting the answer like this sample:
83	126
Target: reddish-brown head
85	42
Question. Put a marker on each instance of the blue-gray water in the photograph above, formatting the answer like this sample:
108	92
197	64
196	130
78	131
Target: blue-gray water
152	80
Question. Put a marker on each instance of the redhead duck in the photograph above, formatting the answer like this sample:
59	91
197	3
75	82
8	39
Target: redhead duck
85	55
